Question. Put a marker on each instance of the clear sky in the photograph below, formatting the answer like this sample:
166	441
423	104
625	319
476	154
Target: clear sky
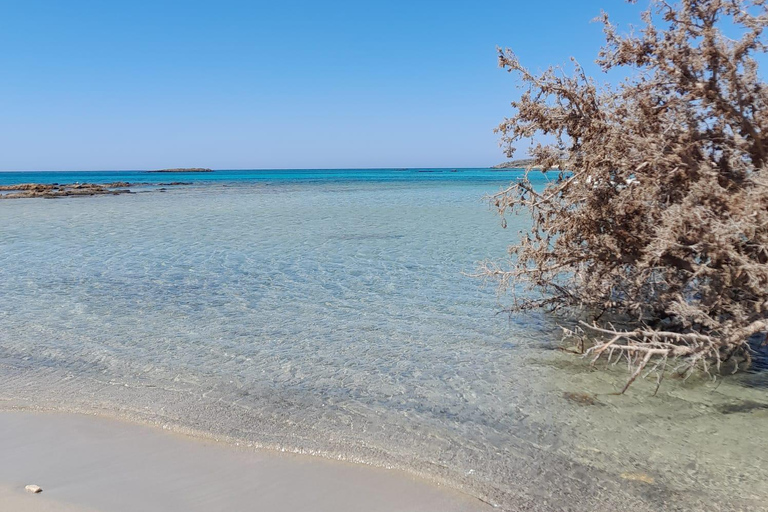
236	84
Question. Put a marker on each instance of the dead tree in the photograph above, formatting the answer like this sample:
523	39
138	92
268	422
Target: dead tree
657	212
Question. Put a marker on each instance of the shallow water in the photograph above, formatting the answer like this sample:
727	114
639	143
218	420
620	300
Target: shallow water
329	312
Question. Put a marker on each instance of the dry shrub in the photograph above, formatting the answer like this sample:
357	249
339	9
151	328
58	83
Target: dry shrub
658	210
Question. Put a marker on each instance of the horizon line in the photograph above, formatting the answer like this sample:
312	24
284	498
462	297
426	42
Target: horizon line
254	169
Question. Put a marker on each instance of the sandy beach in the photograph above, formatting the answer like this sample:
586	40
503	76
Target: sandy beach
87	463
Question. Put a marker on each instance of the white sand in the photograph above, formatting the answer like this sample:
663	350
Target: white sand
88	464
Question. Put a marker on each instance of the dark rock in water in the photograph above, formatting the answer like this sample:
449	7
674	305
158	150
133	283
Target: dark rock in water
175	183
759	345
188	169
27	190
580	398
742	407
52	191
756	376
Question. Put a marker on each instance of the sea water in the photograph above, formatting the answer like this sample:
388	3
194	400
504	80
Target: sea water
333	312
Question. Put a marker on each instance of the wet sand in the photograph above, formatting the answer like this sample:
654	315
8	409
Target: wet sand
87	463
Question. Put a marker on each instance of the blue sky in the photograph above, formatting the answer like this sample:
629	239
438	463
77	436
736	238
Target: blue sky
232	84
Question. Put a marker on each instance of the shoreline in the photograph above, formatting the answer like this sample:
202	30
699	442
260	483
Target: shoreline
540	480
87	463
166	410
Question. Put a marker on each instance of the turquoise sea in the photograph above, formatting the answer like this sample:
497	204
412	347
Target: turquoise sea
331	312
275	176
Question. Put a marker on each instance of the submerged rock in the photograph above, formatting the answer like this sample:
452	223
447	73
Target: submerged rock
580	398
744	406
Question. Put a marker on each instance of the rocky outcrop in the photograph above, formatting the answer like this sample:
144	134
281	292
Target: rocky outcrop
54	190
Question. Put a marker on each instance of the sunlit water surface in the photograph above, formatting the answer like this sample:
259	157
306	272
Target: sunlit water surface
330	312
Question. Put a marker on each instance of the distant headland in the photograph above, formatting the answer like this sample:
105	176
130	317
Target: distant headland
523	163
187	169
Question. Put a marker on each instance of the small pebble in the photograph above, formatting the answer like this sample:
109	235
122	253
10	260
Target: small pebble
34	488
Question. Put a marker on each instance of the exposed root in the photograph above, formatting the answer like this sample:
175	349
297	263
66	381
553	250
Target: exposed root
650	349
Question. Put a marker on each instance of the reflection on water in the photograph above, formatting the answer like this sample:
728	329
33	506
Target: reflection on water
333	317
